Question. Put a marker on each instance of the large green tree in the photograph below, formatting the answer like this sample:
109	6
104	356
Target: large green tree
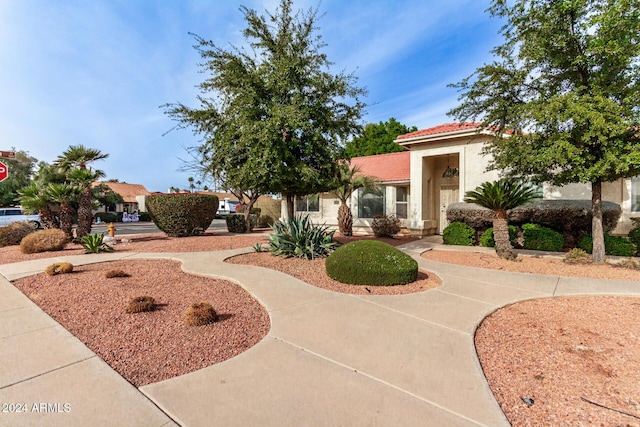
273	116
378	139
565	87
20	171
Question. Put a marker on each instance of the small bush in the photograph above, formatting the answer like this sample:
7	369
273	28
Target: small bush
385	226
634	237
458	233
106	217
200	314
116	273
370	262
486	238
577	256
613	245
13	233
43	241
300	238
628	263
144	216
59	268
141	304
181	215
93	244
539	238
237	224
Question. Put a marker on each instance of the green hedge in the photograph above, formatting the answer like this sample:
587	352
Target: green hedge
613	245
458	233
539	238
106	217
486	238
181	215
236	223
371	262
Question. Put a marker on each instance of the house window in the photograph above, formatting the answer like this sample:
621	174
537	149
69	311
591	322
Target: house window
308	203
635	194
402	202
370	203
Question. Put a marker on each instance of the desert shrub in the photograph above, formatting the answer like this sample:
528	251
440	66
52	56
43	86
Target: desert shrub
385	225
486	238
629	263
371	262
140	304
539	238
200	314
110	274
106	216
613	245
237	224
181	215
577	256
59	268
93	244
572	218
43	241
301	238
13	233
458	233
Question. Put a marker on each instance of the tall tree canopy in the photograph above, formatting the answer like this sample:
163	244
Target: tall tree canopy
566	86
273	117
20	170
378	139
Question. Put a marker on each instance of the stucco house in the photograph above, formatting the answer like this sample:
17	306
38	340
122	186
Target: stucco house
134	196
441	164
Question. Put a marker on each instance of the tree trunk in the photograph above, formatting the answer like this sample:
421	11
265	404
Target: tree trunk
48	219
290	205
597	232
345	220
66	220
501	236
85	214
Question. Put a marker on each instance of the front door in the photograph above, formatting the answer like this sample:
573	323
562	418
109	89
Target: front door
448	194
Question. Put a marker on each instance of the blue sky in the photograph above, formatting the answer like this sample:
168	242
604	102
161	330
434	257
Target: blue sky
95	72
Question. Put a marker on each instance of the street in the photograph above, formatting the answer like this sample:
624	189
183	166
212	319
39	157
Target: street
145	227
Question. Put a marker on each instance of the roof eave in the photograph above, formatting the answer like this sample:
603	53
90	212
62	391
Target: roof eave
443	136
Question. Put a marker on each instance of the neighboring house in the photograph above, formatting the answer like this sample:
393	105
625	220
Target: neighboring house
134	196
444	162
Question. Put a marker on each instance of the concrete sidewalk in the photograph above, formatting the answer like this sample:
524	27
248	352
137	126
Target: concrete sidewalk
329	358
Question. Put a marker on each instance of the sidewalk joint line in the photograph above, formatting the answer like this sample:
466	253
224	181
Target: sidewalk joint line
381	381
49	371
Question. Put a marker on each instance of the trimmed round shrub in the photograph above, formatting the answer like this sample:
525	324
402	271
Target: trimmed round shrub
59	268
12	234
53	239
237	224
385	225
200	314
613	245
486	238
181	215
458	233
370	262
539	238
141	304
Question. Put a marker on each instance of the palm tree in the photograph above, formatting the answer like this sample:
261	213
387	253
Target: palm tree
501	196
77	157
34	199
64	195
348	180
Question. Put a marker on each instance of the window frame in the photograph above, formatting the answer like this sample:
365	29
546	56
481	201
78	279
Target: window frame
362	193
308	203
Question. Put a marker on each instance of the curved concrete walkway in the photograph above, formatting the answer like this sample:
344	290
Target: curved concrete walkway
329	358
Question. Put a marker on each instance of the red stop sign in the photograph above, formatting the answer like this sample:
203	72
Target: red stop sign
4	172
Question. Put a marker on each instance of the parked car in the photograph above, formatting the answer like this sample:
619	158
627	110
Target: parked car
9	215
226	207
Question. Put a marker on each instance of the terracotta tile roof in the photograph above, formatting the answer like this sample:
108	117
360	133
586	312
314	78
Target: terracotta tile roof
386	167
127	191
444	128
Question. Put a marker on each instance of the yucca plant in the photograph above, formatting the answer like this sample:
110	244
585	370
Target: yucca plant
93	244
300	238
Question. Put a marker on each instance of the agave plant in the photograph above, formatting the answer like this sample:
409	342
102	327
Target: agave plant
300	238
93	244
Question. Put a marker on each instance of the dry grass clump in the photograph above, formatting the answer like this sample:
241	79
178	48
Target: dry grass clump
200	314
629	263
141	304
59	268
43	241
577	256
13	233
116	273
